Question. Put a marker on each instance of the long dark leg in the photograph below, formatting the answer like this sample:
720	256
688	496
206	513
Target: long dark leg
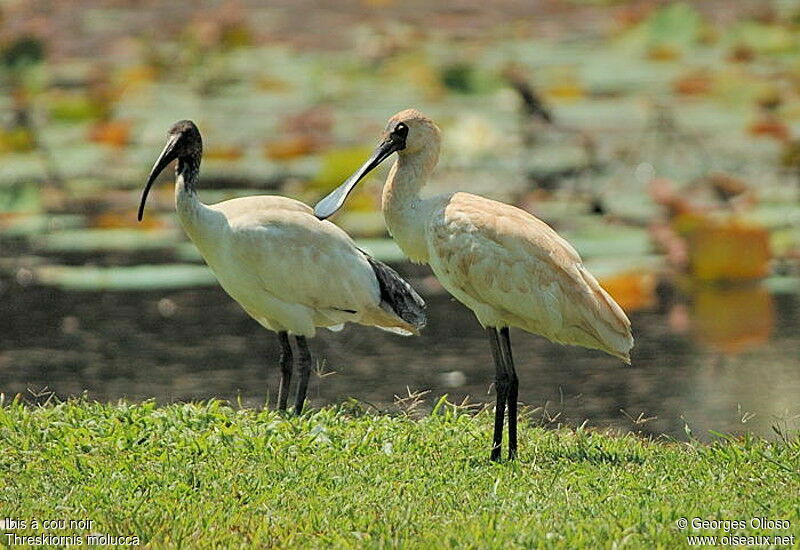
286	362
501	389
304	368
513	391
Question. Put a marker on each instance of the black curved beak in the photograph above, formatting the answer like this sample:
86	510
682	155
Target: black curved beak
328	206
166	156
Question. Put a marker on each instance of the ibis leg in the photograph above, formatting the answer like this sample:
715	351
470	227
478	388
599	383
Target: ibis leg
304	370
513	391
501	389
286	362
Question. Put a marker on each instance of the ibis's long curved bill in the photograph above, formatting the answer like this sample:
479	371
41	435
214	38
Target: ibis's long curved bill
166	156
328	206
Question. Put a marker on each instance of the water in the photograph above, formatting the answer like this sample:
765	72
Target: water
196	343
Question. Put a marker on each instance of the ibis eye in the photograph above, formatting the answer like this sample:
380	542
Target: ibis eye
401	130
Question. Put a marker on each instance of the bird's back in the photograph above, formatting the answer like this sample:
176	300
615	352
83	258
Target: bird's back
261	204
513	269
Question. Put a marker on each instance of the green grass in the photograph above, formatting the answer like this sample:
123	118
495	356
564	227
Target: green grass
210	475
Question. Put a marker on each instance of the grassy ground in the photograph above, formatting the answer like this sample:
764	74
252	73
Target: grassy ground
209	475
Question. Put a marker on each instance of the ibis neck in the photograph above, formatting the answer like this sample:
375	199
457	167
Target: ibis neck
187	174
188	205
404	209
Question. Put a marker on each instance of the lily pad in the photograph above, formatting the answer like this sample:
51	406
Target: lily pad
338	164
143	277
104	239
26	225
604	240
20	197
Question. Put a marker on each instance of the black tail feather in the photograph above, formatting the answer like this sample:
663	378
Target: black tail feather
397	296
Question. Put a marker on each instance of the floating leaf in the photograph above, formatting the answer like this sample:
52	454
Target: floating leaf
695	83
663	52
741	53
767	38
16	224
290	148
790	155
235	35
269	83
769	126
729	251
137	76
118	219
339	164
733	319
143	277
104	239
566	86
675	23
20	197
115	133
221	152
667	32
599	239
75	107
632	290
17	140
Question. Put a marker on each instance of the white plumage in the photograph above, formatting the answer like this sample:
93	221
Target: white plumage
290	271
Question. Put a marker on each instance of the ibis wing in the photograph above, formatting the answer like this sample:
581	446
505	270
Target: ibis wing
301	260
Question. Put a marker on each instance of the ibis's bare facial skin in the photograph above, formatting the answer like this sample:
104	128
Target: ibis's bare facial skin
183	141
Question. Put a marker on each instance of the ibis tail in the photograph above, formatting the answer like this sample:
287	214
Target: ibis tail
398	298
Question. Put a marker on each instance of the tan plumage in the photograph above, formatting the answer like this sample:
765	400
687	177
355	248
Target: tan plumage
510	268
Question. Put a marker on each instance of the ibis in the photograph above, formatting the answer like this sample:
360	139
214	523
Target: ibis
289	271
510	268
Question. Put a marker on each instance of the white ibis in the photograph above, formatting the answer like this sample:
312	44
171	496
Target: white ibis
290	271
510	268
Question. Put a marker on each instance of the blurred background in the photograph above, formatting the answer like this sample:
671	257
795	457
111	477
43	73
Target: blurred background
661	138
